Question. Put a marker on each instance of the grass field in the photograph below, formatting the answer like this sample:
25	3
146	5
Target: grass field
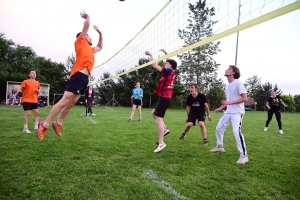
105	157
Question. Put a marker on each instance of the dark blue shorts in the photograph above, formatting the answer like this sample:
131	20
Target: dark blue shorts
137	102
78	83
162	106
29	106
196	116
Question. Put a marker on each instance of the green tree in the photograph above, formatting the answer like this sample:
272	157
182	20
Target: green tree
297	102
197	65
289	101
252	85
215	95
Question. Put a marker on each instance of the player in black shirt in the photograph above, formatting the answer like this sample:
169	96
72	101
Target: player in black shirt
196	105
273	105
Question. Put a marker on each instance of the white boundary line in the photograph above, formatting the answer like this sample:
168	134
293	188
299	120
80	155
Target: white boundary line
91	120
165	185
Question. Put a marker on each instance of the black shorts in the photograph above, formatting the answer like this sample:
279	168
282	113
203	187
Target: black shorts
162	106
29	106
78	83
196	116
137	102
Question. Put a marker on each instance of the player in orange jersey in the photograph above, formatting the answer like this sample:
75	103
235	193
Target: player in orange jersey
79	78
30	89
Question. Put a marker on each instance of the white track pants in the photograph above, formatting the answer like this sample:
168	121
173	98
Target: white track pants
236	122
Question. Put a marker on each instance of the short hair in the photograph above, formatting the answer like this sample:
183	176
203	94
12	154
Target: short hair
194	84
172	62
30	70
78	34
236	70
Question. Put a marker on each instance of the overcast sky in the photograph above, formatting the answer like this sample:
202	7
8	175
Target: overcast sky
269	50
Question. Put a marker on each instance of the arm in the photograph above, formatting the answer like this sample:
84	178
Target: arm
207	111
20	89
86	23
267	104
155	65
100	42
283	103
188	110
243	98
220	109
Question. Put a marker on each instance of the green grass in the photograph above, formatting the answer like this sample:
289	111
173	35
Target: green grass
108	158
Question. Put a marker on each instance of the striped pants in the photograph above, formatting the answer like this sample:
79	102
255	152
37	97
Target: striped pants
236	122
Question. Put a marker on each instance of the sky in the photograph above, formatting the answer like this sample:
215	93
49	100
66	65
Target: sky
269	50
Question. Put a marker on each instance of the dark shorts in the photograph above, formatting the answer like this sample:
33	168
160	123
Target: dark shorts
78	83
137	102
29	106
197	116
162	106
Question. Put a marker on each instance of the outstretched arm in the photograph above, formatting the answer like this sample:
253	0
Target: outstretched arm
100	42
283	103
86	23
155	65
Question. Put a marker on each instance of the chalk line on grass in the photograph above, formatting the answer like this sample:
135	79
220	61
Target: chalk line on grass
165	185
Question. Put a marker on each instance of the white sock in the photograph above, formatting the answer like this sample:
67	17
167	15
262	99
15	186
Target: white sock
45	125
25	126
59	123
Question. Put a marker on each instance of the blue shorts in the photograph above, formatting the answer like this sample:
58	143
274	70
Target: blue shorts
78	83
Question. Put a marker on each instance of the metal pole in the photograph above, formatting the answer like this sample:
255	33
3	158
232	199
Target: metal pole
237	36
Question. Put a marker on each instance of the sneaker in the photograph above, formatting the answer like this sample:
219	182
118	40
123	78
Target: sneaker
242	160
93	114
166	132
26	130
129	120
281	132
140	120
160	147
205	143
182	136
57	128
217	149
41	131
266	128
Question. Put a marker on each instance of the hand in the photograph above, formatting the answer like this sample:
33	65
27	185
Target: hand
225	103
164	51
83	15
209	117
148	53
97	29
218	110
186	120
285	105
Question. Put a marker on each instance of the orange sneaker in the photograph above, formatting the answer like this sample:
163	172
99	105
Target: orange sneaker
41	131
57	128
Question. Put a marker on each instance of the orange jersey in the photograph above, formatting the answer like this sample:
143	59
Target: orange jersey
84	56
29	91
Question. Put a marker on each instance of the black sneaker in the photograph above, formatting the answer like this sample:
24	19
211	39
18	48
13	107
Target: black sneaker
205	142
129	120
182	136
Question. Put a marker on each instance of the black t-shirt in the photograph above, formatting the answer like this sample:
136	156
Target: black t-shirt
196	104
274	102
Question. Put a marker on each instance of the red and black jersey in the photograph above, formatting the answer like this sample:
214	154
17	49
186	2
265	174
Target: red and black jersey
166	83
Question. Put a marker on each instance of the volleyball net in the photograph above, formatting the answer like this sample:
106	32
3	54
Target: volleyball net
162	31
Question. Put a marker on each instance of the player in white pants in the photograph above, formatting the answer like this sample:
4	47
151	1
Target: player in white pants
236	96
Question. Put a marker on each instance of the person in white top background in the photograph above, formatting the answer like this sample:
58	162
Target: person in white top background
236	95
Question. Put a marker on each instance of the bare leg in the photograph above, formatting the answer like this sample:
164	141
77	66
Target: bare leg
36	115
140	112
203	129
65	110
160	128
26	116
132	111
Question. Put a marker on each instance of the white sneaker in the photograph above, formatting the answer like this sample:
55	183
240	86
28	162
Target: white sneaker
166	132
36	127
281	132
26	130
266	128
160	147
93	114
242	160
217	149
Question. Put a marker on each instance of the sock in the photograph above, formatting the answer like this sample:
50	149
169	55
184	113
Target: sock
36	123
45	125
59	123
25	126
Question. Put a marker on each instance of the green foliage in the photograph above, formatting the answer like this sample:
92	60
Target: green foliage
198	66
289	101
105	157
214	96
253	85
297	102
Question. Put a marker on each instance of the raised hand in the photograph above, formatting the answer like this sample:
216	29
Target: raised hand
148	53
83	15
164	51
97	29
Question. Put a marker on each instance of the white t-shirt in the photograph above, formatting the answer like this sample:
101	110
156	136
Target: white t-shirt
233	92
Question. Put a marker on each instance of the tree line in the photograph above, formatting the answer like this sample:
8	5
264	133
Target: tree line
196	66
